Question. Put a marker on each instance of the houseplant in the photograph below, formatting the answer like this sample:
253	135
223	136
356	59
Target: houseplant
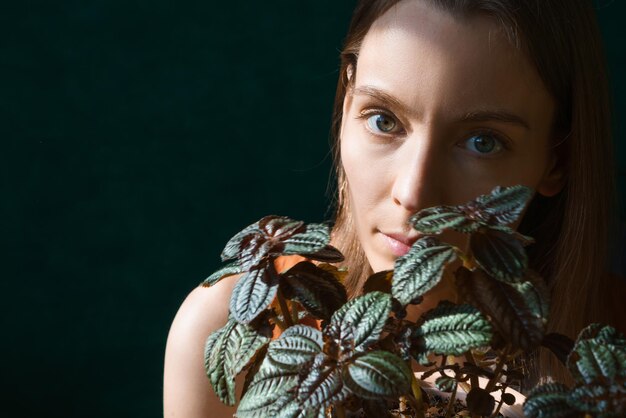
337	357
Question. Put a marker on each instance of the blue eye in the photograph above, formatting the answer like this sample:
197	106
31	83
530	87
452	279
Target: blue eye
484	144
381	123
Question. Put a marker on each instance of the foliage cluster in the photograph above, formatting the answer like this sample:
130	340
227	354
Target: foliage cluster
361	354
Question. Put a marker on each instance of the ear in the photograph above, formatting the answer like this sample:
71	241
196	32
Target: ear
553	179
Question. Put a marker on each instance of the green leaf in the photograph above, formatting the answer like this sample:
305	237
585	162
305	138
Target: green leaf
599	400
253	293
379	282
313	240
228	270
420	269
269	390
227	352
438	219
452	330
237	242
296	346
316	289
446	384
295	410
518	311
377	374
599	355
367	316
480	402
499	254
322	385
505	204
548	401
598	365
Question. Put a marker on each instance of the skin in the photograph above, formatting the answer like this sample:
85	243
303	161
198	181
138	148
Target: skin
436	69
441	110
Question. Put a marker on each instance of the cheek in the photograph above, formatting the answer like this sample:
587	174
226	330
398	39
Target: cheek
365	170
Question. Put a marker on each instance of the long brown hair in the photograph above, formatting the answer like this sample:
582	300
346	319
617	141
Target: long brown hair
572	228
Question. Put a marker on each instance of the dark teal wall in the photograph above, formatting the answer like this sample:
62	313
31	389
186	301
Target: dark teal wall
137	138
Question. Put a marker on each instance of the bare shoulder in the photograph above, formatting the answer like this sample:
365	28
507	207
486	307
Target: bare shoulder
186	389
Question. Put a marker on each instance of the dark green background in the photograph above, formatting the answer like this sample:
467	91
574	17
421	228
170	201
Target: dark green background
137	138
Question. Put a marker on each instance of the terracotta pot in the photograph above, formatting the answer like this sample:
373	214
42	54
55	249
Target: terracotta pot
509	411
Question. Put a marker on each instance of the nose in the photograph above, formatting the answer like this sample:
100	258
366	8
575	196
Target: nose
418	174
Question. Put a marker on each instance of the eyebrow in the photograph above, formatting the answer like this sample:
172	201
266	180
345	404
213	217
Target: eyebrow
474	116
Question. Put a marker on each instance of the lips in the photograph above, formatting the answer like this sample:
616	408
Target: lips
399	244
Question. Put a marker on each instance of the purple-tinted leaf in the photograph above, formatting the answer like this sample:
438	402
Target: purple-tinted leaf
236	243
379	282
316	289
328	254
559	344
500	255
518	311
280	227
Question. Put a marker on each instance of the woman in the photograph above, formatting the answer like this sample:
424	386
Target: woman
439	101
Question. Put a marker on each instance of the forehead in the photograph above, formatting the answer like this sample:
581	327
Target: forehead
429	58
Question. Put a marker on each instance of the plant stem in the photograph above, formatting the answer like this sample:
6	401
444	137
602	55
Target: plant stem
473	377
451	404
284	309
278	321
294	312
498	371
495	413
417	398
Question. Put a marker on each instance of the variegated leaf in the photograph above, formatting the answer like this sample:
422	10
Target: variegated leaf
270	389
548	401
420	269
311	241
227	352
323	385
438	219
237	242
367	316
505	204
452	330
253	293
599	354
228	270
295	347
377	374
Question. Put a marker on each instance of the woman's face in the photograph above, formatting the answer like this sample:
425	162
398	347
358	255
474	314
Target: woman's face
442	109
